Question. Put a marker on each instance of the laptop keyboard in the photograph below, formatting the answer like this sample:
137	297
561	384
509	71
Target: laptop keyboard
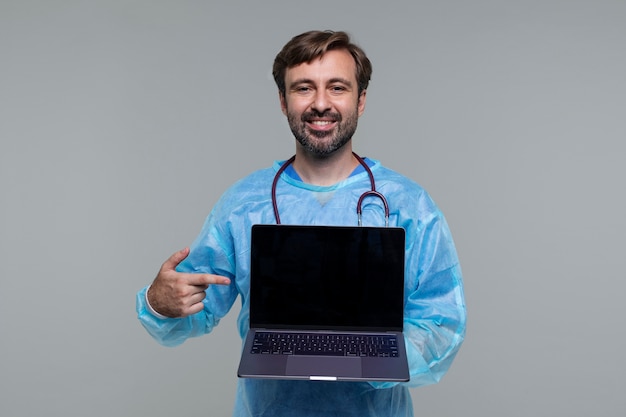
279	343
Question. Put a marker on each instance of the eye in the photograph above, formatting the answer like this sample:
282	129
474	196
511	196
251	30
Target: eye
302	89
338	89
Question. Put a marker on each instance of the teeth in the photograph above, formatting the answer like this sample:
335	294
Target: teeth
321	122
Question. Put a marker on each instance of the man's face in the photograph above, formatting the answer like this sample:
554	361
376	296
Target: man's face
322	102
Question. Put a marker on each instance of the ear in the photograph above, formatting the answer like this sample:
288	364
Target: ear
283	102
361	102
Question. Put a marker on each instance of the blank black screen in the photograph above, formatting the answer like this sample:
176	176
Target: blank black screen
327	277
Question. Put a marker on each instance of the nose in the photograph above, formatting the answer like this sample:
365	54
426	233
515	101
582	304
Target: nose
321	102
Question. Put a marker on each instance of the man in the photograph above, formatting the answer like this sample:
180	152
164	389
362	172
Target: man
322	80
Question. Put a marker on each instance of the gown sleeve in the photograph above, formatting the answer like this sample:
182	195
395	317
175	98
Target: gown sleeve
211	252
434	311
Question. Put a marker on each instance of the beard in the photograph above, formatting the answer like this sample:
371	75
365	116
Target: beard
322	143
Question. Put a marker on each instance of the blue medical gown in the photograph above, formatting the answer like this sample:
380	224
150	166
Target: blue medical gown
434	313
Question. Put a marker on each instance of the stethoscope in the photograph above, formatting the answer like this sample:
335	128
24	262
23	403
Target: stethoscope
371	193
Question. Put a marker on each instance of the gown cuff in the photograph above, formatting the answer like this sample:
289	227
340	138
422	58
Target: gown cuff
152	310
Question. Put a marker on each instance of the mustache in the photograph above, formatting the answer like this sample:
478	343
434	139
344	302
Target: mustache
310	115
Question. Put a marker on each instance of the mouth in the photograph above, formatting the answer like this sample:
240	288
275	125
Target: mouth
324	123
321	124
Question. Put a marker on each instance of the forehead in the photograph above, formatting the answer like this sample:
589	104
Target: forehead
332	65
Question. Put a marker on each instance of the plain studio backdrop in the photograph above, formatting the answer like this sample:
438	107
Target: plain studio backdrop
122	122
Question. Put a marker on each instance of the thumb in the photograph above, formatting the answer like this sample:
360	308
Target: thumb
176	258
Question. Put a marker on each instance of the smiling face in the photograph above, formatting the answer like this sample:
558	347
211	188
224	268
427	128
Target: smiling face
322	102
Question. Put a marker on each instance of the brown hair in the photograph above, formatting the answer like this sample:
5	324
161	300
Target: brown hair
311	45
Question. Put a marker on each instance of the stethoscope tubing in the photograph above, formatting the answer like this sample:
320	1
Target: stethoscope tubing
371	193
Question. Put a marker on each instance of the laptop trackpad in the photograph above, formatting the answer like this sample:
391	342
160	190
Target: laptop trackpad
341	366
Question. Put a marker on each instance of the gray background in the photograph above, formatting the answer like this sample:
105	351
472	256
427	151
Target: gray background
121	123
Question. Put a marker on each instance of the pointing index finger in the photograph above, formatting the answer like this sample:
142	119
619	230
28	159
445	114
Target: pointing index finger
207	279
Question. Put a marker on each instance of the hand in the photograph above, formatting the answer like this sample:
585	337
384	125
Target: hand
178	294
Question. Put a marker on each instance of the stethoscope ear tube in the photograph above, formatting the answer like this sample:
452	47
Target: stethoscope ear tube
372	192
276	177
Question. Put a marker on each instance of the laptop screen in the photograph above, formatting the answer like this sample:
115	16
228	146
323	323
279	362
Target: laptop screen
327	277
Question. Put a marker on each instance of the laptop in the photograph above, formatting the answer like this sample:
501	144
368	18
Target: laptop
326	303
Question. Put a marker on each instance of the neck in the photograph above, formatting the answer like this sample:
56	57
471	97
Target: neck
327	170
